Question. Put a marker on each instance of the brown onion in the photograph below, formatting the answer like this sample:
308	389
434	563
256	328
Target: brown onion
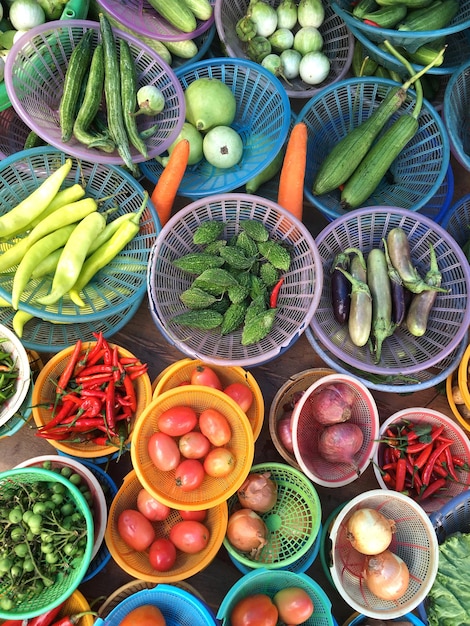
247	532
258	492
387	575
369	531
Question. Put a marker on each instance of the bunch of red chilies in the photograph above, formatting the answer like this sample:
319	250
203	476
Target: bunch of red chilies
417	460
95	396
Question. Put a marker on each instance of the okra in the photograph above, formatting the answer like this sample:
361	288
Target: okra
360	311
422	303
381	294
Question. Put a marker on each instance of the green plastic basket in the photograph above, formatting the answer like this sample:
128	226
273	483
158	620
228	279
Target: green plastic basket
64	586
293	522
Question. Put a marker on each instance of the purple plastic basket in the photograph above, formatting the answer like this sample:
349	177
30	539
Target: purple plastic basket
402	353
141	17
34	77
13	132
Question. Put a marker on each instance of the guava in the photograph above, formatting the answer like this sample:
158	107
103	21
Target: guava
222	146
191	133
209	103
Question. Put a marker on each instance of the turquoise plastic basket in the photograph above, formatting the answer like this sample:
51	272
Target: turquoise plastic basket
262	120
411	40
416	174
272	581
455	114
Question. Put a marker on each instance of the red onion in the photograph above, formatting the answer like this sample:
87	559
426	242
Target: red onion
339	443
369	531
387	576
330	405
258	492
247	532
284	431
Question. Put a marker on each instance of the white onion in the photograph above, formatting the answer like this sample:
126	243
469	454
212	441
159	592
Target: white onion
369	531
387	576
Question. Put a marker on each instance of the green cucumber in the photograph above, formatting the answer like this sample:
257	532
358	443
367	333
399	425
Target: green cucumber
437	15
177	13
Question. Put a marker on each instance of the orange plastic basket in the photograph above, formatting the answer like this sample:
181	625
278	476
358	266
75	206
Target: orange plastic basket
44	394
137	563
162	484
180	372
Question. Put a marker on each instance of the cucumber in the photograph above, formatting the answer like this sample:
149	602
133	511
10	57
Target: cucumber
364	6
437	15
202	9
185	49
177	13
387	16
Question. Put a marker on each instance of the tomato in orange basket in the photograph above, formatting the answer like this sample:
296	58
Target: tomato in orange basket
219	462
254	610
198	516
177	421
194	445
189	474
135	529
144	615
163	451
153	510
215	426
162	554
241	393
203	375
190	536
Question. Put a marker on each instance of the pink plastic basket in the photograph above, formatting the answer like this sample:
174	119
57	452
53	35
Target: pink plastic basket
13	132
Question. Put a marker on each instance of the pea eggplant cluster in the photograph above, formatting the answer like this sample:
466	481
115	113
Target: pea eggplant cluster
377	293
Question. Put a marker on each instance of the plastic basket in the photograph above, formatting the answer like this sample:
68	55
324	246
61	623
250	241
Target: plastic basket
180	372
34	77
402	353
326	558
145	20
437	208
177	605
272	581
457	220
213	491
463	376
63	587
45	391
415	175
455	114
414	541
357	619
410	40
460	448
10	344
298	296
394	383
293	523
13	132
77	603
119	284
306	432
338	43
459	411
284	401
137	564
262	120
21	417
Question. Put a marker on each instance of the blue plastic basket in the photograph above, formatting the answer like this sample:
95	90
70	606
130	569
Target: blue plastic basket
272	581
416	174
411	40
177	605
408	617
457	220
456	114
262	120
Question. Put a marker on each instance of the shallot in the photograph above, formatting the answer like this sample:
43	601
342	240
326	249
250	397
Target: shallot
258	492
386	574
284	431
339	443
247	532
332	404
369	531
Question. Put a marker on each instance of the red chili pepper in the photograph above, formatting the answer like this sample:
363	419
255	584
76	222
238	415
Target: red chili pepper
460	463
107	357
71	620
431	489
450	464
416	482
68	371
93	393
417	447
102	441
65	410
275	293
15	622
400	474
370	23
95	378
130	391
96	369
387	478
97	351
46	618
421	459
426	475
137	373
109	403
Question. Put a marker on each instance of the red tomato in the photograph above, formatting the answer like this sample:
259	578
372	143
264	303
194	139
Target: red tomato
162	554
144	615
219	463
153	510
163	451
254	610
294	604
242	395
215	426
135	530
177	421
190	536
189	474
194	445
198	516
203	375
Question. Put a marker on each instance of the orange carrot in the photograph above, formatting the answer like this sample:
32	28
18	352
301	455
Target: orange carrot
291	182
166	188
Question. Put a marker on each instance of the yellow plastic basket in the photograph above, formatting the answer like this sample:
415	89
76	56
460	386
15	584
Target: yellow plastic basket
451	380
137	564
44	394
463	376
180	372
77	603
162	484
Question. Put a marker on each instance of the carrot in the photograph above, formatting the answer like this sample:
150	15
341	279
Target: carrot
291	182
166	188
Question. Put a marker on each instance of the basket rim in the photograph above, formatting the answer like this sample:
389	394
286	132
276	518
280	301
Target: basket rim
462	421
438	517
24	380
460	204
81	151
448	239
